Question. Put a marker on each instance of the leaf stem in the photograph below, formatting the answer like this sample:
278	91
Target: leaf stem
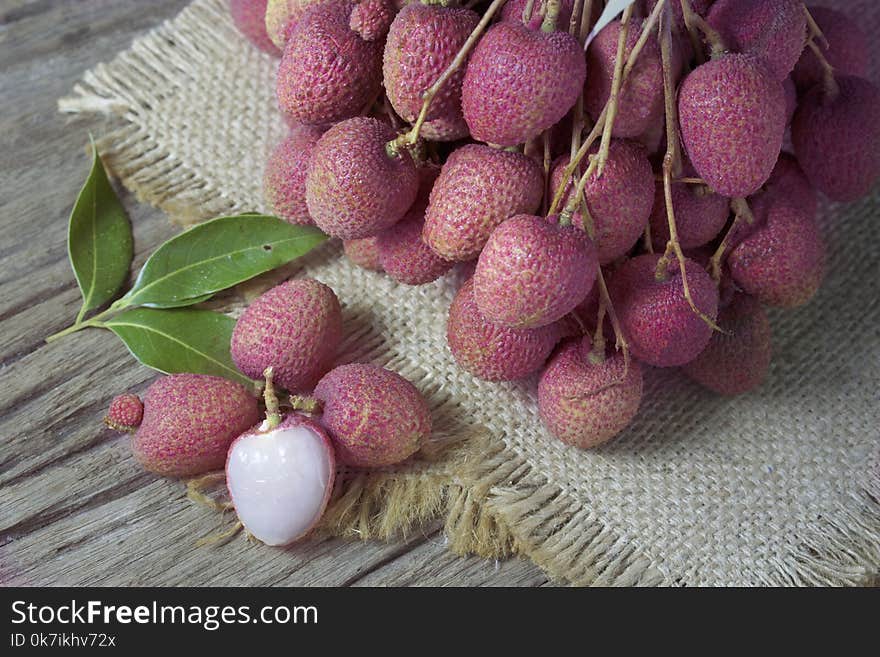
89	323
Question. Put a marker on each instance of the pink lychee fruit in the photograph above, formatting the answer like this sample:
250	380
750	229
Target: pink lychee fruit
491	352
701	7
372	18
700	214
619	201
774	30
732	115
363	252
125	413
640	102
478	188
586	403
533	271
280	478
328	72
787	182
354	187
375	416
282	16
295	328
737	359
512	11
249	17
661	327
284	180
848	49
519	82
836	138
780	259
189	421
422	42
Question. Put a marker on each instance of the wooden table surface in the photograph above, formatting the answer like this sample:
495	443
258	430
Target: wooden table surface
74	506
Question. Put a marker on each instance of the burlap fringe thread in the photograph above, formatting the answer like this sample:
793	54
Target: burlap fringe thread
494	503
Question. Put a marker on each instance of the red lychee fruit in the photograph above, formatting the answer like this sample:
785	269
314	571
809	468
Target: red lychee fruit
700	214
284	181
249	17
848	49
125	413
363	252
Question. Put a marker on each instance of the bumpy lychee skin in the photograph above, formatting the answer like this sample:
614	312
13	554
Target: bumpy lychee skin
478	188
422	42
363	252
780	259
249	17
738	359
491	352
837	140
372	18
732	115
660	326
375	416
295	328
619	200
512	12
519	82
533	271
788	183
640	104
284	180
354	187
328	72
701	7
774	30
282	16
576	398
700	214
189	421
125	413
848	49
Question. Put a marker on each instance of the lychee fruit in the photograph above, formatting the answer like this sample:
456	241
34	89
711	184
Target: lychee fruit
586	403
836	138
512	11
295	328
700	215
363	252
282	16
791	99
284	180
422	42
787	182
732	116
478	188
661	327
189	421
640	102
328	72
372	18
491	352
125	413
519	82
848	49
533	271
700	7
737	359
375	416
249	17
774	30
780	259
280	478
354	187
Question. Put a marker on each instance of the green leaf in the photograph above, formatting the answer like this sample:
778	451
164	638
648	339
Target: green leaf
182	340
99	239
216	255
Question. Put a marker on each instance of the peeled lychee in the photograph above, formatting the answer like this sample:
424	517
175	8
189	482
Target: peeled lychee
363	252
422	42
640	103
328	72
738	359
700	214
533	271
491	352
519	82
774	30
660	326
284	181
354	187
837	138
732	115
280	478
585	403
125	413
848	49
375	416
249	17
478	188
189	421
295	328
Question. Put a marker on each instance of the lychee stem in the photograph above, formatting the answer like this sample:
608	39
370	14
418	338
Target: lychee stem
649	245
815	30
741	211
616	80
694	37
694	21
579	26
547	162
527	12
551	15
829	83
273	413
305	404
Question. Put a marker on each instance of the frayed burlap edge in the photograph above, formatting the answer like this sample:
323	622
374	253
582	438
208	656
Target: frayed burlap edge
495	505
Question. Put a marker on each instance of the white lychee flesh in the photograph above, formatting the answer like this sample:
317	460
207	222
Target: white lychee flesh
280	482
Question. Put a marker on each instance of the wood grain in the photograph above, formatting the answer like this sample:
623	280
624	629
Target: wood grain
74	507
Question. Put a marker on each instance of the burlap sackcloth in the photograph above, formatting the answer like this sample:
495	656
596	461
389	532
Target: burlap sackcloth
779	486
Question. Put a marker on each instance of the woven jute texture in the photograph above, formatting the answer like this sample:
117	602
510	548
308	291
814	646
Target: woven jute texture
779	486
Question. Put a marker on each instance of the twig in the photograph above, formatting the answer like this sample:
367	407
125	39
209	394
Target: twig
616	80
